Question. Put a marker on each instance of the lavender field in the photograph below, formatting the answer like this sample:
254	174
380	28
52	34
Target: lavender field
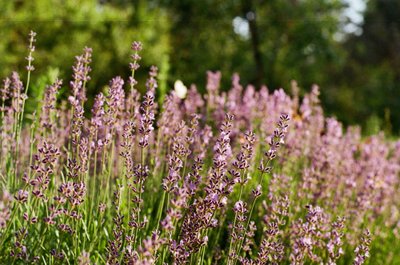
248	176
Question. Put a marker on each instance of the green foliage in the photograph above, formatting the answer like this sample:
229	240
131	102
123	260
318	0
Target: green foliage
66	27
295	40
359	75
37	89
372	71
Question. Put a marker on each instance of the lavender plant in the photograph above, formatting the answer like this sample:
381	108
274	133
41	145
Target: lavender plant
245	176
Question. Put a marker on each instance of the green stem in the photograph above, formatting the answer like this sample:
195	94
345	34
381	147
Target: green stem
20	118
139	189
2	128
231	241
260	181
160	209
10	221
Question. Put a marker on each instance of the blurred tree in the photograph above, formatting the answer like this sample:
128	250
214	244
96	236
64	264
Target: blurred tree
372	72
278	41
202	38
65	27
267	42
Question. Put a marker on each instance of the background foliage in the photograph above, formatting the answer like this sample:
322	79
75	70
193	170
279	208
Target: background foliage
285	40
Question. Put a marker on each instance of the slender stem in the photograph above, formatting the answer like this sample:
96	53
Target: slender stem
109	173
8	225
231	241
139	189
160	210
93	179
2	128
20	116
242	175
260	181
202	256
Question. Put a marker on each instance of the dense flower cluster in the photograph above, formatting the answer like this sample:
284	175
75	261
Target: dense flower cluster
246	176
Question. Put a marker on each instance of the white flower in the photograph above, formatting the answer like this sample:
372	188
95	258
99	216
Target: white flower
180	89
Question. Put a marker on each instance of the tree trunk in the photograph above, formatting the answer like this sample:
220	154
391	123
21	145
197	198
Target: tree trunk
251	17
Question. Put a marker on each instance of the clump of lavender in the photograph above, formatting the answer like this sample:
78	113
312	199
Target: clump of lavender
335	243
272	248
200	216
147	109
274	143
362	250
239	227
132	182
